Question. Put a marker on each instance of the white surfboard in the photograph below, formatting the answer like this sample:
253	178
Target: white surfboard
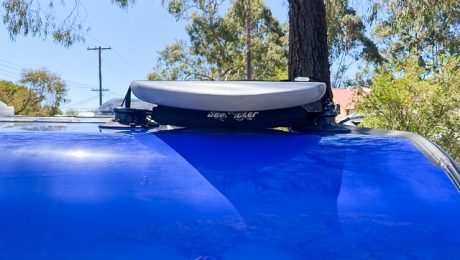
232	96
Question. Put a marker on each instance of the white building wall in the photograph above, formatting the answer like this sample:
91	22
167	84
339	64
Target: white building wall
6	110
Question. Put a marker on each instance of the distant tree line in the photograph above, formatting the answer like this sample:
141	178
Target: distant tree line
38	93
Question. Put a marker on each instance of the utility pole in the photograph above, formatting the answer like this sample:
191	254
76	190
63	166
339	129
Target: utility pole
99	49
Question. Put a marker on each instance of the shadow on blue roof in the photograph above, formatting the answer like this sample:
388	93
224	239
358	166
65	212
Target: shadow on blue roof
310	195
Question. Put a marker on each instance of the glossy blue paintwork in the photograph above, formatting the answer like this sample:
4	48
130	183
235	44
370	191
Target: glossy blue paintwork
75	192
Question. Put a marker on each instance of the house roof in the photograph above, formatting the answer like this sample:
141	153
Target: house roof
344	97
108	106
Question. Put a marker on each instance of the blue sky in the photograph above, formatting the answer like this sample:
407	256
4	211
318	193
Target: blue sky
135	35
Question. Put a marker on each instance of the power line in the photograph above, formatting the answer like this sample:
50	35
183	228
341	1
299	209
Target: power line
11	74
129	65
133	68
113	96
121	68
17	76
99	49
9	67
80	102
116	93
9	77
117	71
80	83
11	63
76	86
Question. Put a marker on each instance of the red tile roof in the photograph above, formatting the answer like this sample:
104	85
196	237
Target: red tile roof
344	97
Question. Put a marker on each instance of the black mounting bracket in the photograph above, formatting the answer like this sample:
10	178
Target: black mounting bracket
133	117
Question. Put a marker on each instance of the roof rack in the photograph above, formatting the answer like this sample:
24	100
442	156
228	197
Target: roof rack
320	112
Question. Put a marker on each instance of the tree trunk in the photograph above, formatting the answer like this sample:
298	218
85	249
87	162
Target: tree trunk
308	52
248	41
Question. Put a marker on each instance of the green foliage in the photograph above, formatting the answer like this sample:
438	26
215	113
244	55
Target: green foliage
176	63
24	100
404	96
347	40
221	44
268	41
124	3
48	87
40	94
29	17
33	18
218	44
430	28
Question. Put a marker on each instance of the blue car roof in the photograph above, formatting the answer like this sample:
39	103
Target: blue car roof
71	191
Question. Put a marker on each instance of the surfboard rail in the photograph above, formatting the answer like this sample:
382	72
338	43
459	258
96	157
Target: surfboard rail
229	96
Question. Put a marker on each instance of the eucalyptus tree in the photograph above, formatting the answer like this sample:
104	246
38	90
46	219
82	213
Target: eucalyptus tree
38	18
38	93
346	32
228	46
23	99
429	29
349	43
48	87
